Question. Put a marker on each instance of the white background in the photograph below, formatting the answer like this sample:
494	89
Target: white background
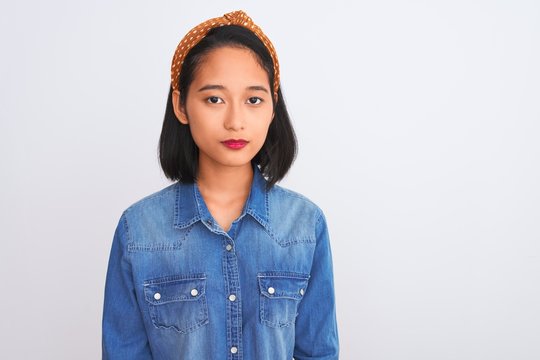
418	126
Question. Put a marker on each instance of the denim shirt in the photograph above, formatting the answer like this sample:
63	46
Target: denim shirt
180	287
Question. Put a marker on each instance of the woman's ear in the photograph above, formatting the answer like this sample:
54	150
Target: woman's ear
179	110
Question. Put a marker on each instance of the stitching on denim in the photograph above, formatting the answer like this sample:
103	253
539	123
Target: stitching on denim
171	278
267	214
126	228
175	328
296	241
191	222
176	205
283	274
198	198
177	245
319	217
186	234
132	246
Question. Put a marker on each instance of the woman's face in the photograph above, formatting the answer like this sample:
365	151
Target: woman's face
229	99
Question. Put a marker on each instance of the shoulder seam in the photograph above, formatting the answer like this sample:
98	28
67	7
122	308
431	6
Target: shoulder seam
126	227
320	216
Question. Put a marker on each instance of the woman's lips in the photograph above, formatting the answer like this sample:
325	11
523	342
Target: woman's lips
235	143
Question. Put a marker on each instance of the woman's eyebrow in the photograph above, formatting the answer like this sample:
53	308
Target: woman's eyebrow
257	87
221	87
212	87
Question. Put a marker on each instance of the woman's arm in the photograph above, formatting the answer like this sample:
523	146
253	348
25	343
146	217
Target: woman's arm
123	332
316	325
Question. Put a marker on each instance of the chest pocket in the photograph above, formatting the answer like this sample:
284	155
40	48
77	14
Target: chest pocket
177	302
280	295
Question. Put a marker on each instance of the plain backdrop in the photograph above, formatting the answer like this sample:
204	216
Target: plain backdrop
418	125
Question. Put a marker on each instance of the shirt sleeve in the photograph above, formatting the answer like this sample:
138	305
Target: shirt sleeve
316	325
123	332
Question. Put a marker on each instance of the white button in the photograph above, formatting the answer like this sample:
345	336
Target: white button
194	292
271	290
228	247
232	297
234	349
157	296
301	291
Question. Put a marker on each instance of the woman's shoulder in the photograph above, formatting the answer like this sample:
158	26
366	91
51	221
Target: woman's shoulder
290	196
294	196
159	197
293	215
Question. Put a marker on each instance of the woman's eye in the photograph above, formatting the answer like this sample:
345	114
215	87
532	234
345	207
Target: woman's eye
254	100
214	100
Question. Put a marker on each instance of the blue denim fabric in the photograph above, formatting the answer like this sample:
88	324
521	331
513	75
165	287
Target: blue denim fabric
173	270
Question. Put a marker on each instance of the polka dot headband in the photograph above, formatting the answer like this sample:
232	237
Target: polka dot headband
196	34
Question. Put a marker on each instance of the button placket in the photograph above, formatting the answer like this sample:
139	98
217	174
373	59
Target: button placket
232	284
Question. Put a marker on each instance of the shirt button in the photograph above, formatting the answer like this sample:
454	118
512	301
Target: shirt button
194	292
157	296
271	290
232	297
301	291
228	247
234	349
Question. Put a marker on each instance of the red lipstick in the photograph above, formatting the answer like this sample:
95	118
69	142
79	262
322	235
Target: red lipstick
235	143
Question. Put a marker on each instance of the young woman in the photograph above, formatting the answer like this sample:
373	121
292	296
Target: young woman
224	263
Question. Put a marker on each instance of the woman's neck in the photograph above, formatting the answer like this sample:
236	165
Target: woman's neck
225	182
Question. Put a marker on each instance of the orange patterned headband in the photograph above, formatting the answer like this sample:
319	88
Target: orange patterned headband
196	34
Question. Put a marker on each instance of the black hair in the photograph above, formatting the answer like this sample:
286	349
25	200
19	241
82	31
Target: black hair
178	153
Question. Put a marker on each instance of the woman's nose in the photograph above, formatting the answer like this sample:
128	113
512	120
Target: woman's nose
234	118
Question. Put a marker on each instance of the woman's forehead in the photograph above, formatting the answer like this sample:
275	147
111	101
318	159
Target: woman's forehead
231	66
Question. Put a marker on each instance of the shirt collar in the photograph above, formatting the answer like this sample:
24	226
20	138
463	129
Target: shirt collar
190	206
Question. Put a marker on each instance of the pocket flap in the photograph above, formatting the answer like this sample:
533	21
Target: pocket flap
289	285
174	288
